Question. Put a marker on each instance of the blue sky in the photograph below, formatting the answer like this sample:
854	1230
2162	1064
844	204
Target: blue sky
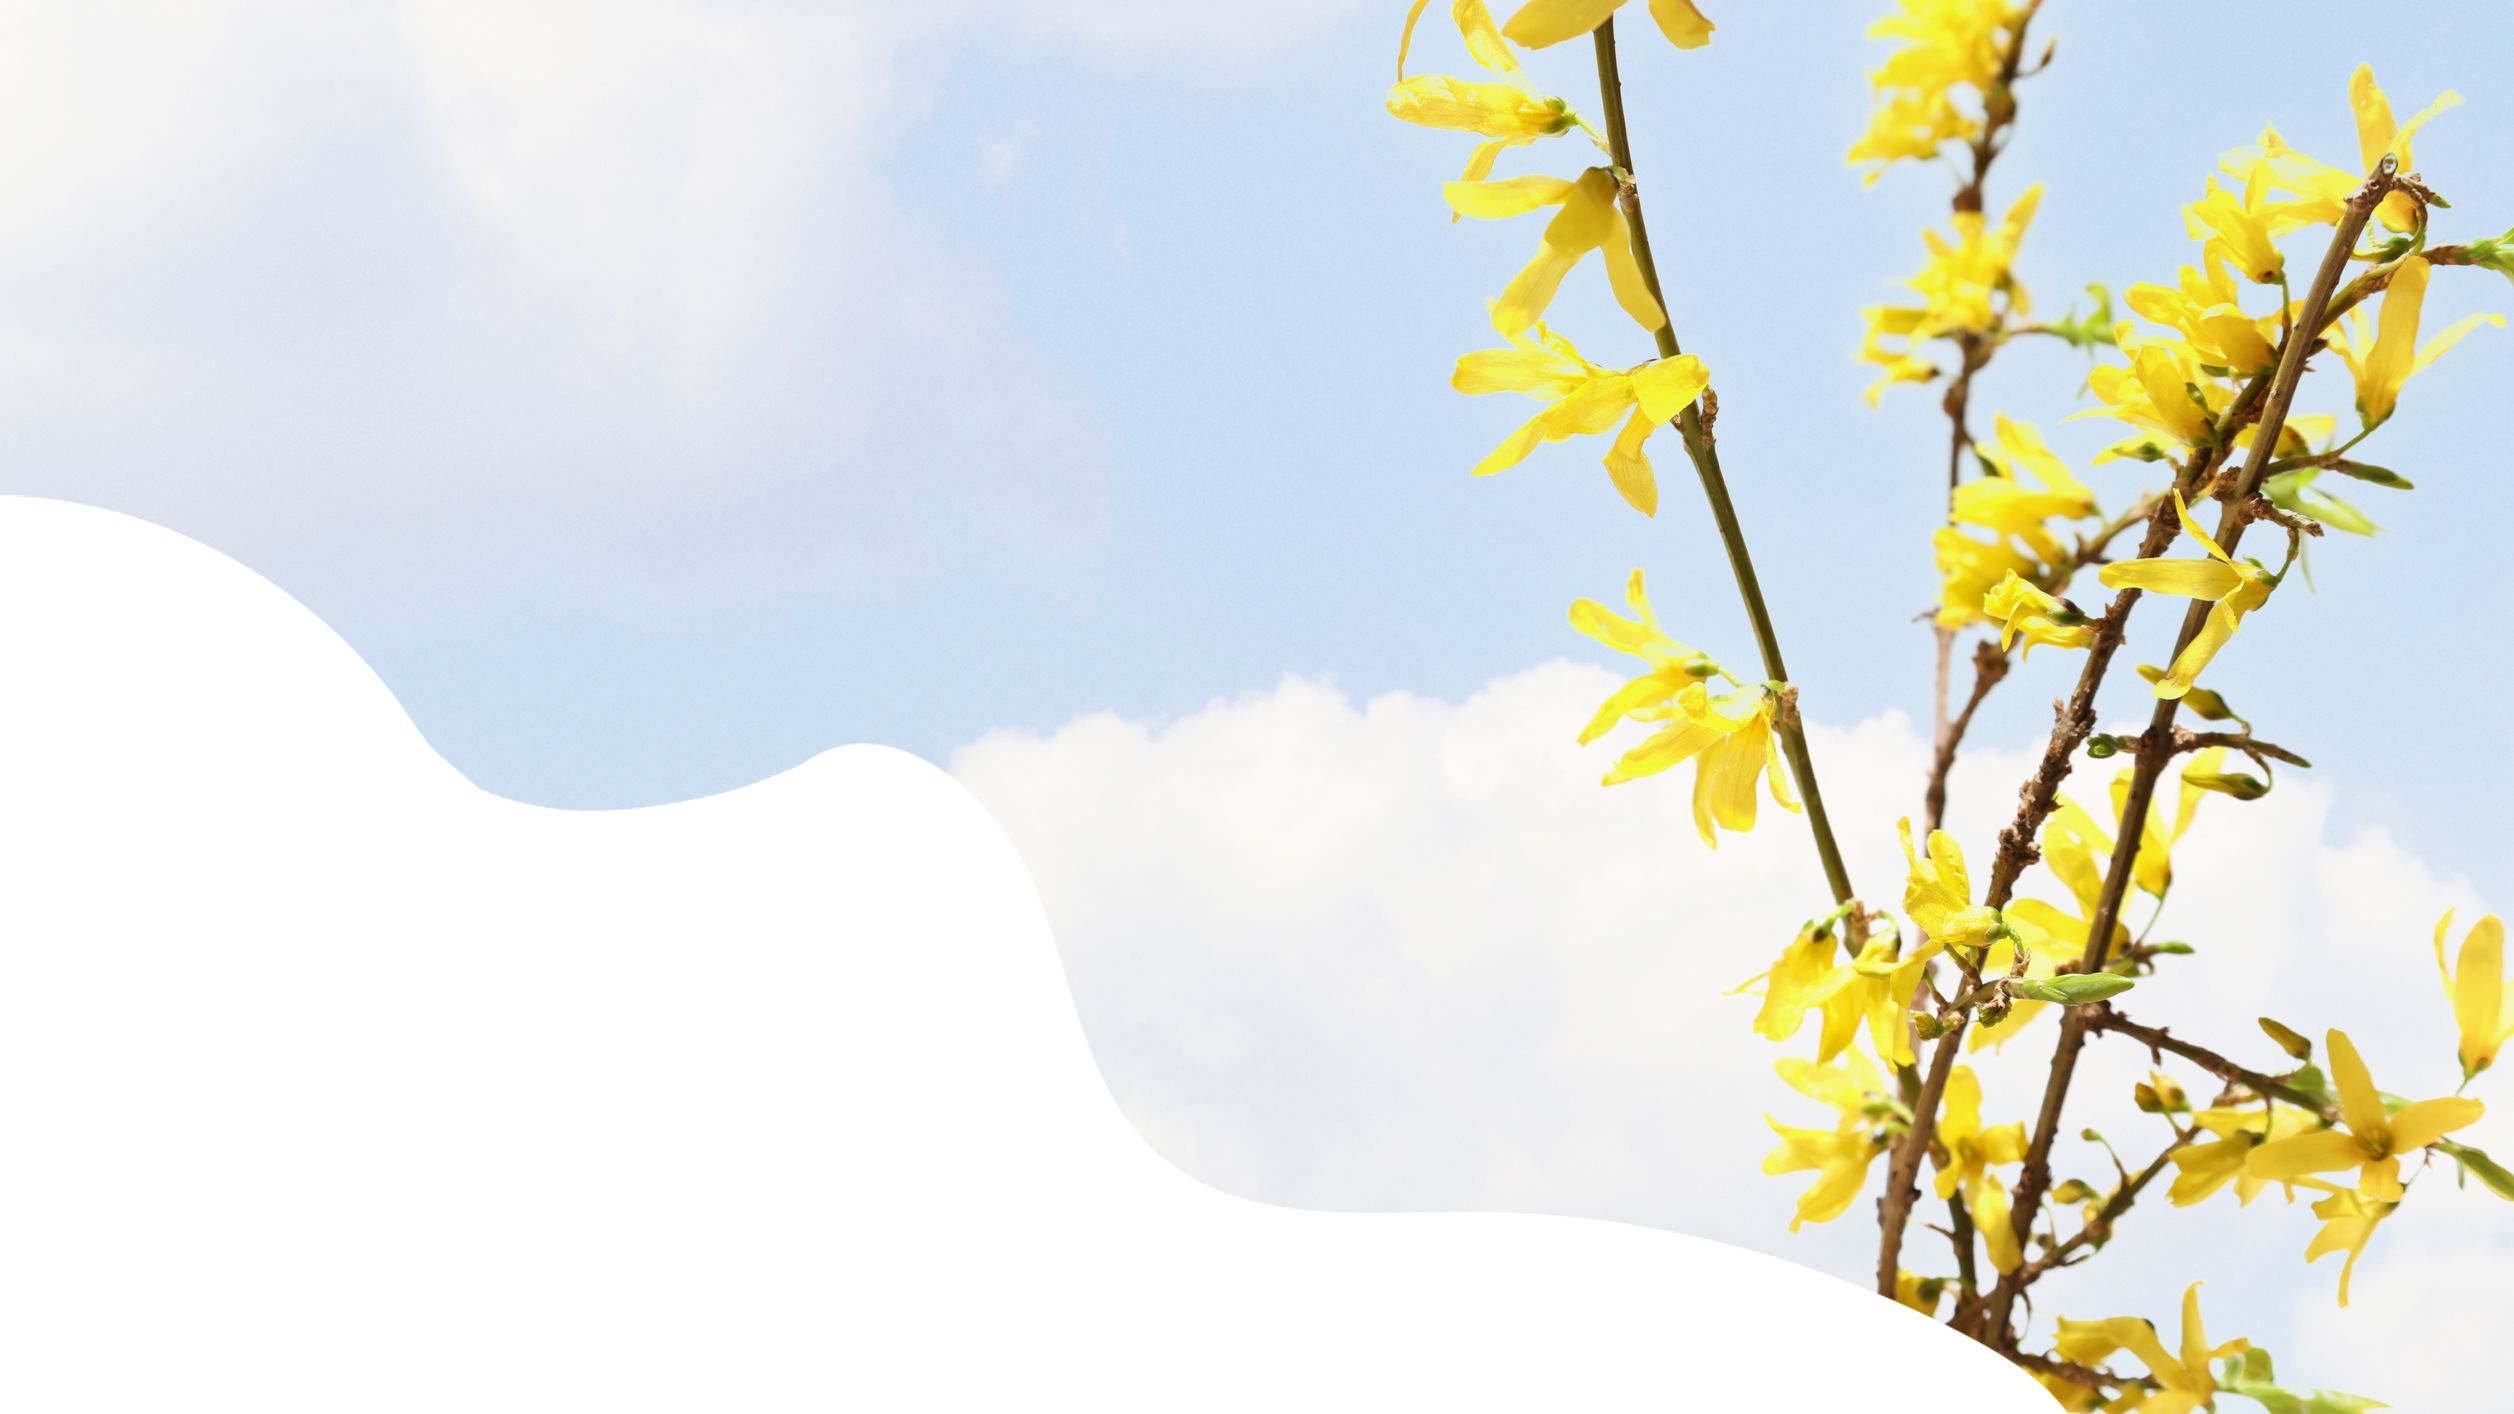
1030	364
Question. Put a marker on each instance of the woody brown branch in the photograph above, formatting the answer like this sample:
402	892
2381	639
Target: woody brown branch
2035	1179
2157	1040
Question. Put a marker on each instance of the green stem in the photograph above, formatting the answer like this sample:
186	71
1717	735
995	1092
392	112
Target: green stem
1706	463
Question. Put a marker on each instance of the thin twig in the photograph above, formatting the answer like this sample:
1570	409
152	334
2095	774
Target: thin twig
2157	1038
1990	665
2098	1229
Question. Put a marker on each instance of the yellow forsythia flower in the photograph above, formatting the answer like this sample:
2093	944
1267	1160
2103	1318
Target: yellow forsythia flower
2236	590
1875	988
2349	1219
1937	894
2025	611
1839	1156
1583	398
2202	1169
1880	992
2207	312
2242	231
2153	868
1505	111
1972	1148
1543	22
2185	1380
2051	939
1994	1216
1804	978
1967	287
1968	569
2381	365
2321	190
1589	220
2483	998
1901	365
2009	502
1944	45
2371	1140
1729	737
2378	135
2164	389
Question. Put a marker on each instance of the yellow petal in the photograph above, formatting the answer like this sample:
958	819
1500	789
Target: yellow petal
1512	196
1674	746
1623	275
2359	1104
2478	989
2452	335
1465	105
1776	772
2322	1151
1637	635
1483	37
2191	527
1647	690
2421	1123
1669	386
2387	364
1586	217
1994	1217
1630	469
2196	579
1480	161
1591	407
1514	448
2195	1351
1683	25
1405	37
1724	783
1543	22
2374	116
1517	370
2215	630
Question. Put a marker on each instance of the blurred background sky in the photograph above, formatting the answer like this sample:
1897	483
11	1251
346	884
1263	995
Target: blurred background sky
657	395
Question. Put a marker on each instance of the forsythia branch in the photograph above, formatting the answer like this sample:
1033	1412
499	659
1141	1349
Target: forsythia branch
2035	1178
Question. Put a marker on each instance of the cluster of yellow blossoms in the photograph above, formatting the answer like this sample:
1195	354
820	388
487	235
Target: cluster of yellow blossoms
2184	386
1945	50
1946	82
1581	398
2188	385
1968	289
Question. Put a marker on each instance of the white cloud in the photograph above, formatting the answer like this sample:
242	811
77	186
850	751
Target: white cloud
2425	1324
1408	954
525	278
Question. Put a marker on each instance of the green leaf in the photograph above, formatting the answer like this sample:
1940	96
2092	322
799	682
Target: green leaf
2374	475
2309	1080
2292	492
2089	329
2071	989
2177	949
2478	1165
2249	1375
